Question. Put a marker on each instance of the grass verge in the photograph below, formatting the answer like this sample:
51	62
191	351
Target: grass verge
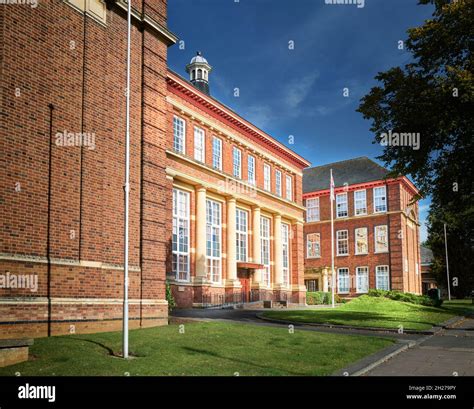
368	311
203	349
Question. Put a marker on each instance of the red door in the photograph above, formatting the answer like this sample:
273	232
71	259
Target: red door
243	276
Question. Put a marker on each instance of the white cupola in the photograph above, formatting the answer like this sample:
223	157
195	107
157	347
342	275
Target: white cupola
198	70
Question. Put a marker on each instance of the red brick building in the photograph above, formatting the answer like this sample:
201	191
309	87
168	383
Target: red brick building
62	153
198	170
376	229
237	202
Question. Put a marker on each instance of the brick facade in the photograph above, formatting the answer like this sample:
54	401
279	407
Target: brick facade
196	109
401	219
61	207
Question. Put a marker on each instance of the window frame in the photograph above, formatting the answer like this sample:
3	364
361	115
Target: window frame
338	240
265	235
359	200
316	199
253	180
387	272
357	279
241	236
312	242
210	226
175	227
239	166
267	177
356	251
387	247
202	134
214	156
177	119
285	244
289	187
348	278
278	185
344	194
375	197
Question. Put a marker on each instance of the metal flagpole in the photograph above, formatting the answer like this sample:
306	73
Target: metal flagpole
447	262
127	185
332	240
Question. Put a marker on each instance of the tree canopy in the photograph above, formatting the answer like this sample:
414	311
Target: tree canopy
433	95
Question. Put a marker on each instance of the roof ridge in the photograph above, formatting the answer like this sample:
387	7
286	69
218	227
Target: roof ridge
345	160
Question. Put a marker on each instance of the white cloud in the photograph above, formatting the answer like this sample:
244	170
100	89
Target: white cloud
259	115
298	89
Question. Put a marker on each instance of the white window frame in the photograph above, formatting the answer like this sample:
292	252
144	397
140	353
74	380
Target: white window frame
347	280
386	247
251	169
360	204
267	177
241	234
342	206
285	244
236	162
278	182
379	277
289	187
357	252
362	270
378	197
179	135
265	249
181	234
312	212
339	240
214	262
314	245
199	144
216	157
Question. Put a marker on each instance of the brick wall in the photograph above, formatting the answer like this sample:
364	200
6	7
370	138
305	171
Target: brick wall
69	205
404	254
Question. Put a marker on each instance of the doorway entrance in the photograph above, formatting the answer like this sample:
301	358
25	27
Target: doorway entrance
243	275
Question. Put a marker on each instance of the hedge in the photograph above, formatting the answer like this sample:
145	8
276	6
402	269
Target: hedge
406	297
321	297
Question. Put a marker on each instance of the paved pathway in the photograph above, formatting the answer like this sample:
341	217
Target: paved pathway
449	352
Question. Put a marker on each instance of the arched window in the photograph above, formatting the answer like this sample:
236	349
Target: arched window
193	74
199	74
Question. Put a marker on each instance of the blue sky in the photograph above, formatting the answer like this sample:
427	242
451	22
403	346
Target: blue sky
298	92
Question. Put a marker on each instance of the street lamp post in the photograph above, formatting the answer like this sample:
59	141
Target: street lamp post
447	262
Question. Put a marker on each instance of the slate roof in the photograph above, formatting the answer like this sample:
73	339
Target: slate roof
352	171
426	255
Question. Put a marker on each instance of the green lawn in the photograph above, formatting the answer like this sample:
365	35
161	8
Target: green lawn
459	307
368	311
204	349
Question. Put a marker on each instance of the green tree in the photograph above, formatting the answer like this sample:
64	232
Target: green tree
433	95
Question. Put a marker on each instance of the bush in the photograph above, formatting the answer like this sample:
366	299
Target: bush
169	297
406	297
321	297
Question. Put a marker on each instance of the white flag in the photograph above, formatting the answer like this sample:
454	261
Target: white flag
332	187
